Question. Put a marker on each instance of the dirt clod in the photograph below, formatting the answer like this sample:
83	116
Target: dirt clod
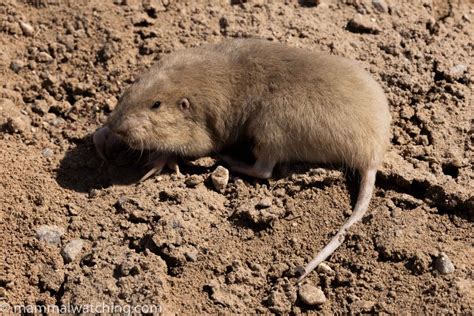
50	234
311	295
220	178
72	249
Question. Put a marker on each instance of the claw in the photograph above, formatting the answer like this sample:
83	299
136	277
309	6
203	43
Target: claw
107	143
173	165
157	163
156	167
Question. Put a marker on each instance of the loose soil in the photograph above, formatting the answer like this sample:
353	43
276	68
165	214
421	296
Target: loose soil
174	240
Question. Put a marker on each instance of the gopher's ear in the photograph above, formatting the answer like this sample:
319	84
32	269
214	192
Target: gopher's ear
184	104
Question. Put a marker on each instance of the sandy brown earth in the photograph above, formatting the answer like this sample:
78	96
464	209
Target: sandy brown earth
177	242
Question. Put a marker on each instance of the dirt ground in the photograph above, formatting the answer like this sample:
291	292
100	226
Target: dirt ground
177	242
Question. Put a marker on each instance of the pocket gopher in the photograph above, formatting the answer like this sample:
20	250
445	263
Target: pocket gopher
292	104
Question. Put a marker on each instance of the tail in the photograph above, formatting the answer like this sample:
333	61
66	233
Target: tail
367	185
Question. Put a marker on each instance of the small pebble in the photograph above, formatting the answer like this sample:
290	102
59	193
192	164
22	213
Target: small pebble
47	153
220	178
27	29
443	264
72	249
456	72
380	5
311	295
50	234
324	268
16	65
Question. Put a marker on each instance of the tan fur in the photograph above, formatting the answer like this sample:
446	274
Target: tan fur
296	105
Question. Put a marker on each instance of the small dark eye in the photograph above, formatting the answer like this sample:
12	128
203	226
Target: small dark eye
156	105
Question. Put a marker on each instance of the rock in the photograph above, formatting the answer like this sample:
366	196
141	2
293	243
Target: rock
456	72
27	29
362	24
380	5
47	153
16	65
220	178
72	249
325	269
443	264
311	295
50	234
193	180
44	57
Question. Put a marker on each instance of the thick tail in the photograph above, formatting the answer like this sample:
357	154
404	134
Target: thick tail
367	185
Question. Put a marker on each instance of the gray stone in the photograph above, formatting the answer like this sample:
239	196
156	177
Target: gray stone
311	295
220	178
47	153
443	264
50	234
72	249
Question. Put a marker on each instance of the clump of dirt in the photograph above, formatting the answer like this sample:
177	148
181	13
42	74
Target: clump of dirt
176	241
